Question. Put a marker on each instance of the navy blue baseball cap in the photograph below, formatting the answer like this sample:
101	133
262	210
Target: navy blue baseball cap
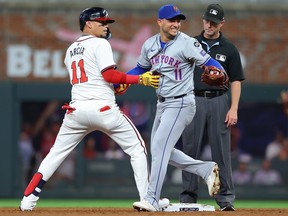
170	11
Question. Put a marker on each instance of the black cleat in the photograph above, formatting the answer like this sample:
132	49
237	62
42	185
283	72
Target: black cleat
228	207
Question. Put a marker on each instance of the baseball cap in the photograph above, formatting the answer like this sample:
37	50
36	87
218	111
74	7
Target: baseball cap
170	11
214	12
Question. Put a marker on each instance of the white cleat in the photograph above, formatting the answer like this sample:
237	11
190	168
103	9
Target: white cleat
213	181
163	203
28	203
144	205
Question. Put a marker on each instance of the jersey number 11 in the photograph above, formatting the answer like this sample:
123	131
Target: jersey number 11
83	76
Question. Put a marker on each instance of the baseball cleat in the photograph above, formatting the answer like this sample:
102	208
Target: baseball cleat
228	207
213	181
163	203
28	203
144	205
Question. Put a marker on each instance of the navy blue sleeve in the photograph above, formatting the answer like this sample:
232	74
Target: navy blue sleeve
137	70
213	62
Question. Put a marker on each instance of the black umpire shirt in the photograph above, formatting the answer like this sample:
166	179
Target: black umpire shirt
226	54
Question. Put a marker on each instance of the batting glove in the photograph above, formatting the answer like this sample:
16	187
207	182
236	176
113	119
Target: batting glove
149	79
120	89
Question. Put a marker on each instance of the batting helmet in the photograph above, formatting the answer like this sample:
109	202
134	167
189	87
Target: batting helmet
94	14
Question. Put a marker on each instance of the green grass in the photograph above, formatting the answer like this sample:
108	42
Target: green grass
127	203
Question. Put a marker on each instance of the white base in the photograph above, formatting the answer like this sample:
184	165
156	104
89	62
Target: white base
188	207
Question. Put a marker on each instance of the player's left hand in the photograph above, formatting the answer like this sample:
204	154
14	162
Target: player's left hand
150	78
120	89
213	76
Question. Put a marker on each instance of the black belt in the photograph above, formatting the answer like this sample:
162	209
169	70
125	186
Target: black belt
208	94
162	99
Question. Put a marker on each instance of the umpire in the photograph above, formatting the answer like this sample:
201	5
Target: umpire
215	114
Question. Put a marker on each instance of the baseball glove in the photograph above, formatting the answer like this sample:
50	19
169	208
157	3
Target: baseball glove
120	89
213	76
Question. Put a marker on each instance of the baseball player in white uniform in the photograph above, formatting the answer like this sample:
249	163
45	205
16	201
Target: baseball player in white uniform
92	72
174	55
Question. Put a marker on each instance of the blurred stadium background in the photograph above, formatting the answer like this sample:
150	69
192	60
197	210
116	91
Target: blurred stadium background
34	84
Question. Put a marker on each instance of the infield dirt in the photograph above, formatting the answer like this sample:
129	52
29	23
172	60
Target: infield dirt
132	212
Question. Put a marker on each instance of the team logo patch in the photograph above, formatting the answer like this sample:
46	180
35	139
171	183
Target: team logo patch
203	53
220	57
196	44
175	8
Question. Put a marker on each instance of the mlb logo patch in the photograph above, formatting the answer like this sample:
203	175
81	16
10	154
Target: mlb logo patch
220	57
213	11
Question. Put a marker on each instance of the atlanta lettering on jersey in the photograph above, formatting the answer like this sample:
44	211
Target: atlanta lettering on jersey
77	51
165	59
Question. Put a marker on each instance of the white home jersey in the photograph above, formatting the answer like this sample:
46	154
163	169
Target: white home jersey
84	60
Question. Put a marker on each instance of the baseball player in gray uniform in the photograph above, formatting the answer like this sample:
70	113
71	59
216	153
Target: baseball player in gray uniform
92	72
174	55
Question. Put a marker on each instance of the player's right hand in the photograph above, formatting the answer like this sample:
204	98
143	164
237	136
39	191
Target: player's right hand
149	79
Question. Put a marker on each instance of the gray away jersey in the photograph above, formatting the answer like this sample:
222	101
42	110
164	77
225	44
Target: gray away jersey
176	63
